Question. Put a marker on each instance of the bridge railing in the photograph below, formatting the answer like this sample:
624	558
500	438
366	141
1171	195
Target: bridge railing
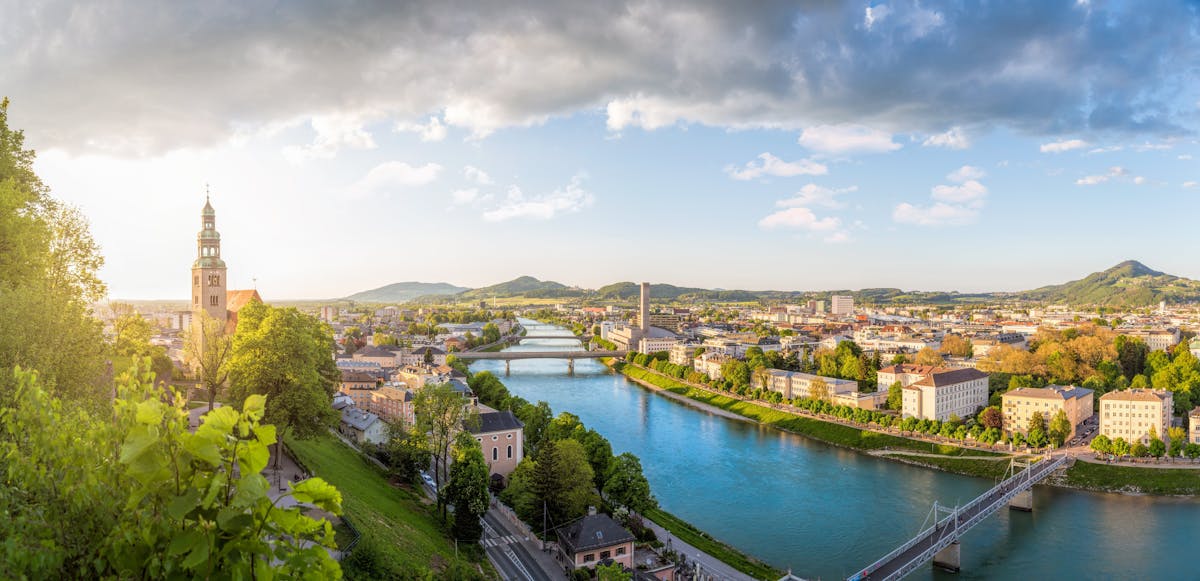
975	513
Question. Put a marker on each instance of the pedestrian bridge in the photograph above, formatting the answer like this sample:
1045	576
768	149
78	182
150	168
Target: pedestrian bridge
939	542
509	356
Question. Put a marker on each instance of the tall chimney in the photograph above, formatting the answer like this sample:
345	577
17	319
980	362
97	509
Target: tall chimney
644	313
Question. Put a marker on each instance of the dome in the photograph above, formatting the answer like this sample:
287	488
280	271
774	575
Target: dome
208	209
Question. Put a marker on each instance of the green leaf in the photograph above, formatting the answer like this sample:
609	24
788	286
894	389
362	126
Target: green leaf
255	406
250	489
220	420
198	555
203	449
233	520
186	541
265	434
181	505
149	412
140	439
252	456
319	493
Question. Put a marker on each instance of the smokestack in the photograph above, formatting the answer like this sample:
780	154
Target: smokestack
644	313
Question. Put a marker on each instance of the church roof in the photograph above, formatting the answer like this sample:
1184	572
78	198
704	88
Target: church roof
236	299
208	209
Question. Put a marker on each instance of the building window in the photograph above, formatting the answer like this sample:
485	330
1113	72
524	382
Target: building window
495	454
214	280
510	451
604	555
212	300
620	550
494	438
588	558
196	300
196	281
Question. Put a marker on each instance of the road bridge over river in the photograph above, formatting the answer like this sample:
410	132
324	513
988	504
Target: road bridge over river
939	542
509	356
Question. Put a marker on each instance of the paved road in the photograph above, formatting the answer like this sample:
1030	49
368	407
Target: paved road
709	564
515	558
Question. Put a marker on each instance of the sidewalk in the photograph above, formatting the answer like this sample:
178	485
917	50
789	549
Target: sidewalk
715	568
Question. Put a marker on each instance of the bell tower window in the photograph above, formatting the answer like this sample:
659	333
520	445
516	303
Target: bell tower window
212	301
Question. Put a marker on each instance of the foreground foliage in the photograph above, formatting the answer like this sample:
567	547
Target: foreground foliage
135	495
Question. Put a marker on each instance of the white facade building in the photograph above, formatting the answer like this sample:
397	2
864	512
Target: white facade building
946	392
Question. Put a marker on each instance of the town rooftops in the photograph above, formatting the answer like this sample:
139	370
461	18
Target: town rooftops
1155	395
236	299
353	376
592	532
358	419
943	376
497	422
903	368
1057	392
373	351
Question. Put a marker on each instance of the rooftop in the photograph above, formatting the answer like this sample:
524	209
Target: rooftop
593	532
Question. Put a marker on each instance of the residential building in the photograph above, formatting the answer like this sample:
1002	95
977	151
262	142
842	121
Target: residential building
1194	426
362	426
1131	414
1155	339
668	321
386	358
710	364
682	353
841	304
656	344
1020	404
797	385
906	374
592	540
943	393
502	437
392	404
358	385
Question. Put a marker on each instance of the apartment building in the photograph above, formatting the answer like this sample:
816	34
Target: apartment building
946	392
358	385
502	437
392	404
841	304
656	344
1020	404
1132	413
796	385
1194	426
905	373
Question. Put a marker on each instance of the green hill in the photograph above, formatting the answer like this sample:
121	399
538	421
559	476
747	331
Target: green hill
1128	284
401	292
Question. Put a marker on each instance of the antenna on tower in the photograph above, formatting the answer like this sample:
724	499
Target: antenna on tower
206	192
254	281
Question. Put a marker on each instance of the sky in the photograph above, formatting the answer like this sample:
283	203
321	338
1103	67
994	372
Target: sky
971	146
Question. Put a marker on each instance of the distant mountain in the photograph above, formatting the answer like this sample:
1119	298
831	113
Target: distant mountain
1129	284
523	286
402	292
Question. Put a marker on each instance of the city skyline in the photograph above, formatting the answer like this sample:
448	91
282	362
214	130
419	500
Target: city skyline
925	146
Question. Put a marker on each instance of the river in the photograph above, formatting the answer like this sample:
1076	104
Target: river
825	511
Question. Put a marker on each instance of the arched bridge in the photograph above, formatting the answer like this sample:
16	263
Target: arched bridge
509	356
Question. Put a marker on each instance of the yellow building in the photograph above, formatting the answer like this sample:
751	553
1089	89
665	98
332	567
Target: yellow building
1194	426
1020	404
1132	413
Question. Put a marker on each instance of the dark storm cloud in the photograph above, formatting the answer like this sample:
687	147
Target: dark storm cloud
144	77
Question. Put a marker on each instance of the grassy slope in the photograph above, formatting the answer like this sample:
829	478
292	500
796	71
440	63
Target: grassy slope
393	516
830	432
1103	477
699	539
990	469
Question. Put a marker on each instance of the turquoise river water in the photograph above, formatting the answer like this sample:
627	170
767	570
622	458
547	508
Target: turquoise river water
825	511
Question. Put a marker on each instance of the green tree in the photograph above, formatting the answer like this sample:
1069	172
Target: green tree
927	356
1120	447
468	488
1192	451
1178	438
384	339
612	572
536	419
1101	444
440	412
145	498
1036	434
1139	450
1060	428
491	333
895	398
562	481
132	335
1157	448
818	389
626	485
48	282
991	417
736	372
407	451
208	348
284	355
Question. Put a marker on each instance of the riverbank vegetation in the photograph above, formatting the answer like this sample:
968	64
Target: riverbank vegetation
1130	479
695	537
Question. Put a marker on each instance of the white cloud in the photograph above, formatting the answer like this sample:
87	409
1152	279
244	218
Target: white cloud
477	175
395	175
954	138
1185	156
814	195
1115	171
516	204
939	214
768	164
1063	145
966	173
1139	180
333	132
1190	184
800	219
847	139
434	130
1147	146
969	192
875	14
464	197
1108	149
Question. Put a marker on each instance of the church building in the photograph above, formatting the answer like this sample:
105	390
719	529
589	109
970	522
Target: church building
209	280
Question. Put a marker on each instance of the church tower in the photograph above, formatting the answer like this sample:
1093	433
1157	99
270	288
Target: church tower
208	272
